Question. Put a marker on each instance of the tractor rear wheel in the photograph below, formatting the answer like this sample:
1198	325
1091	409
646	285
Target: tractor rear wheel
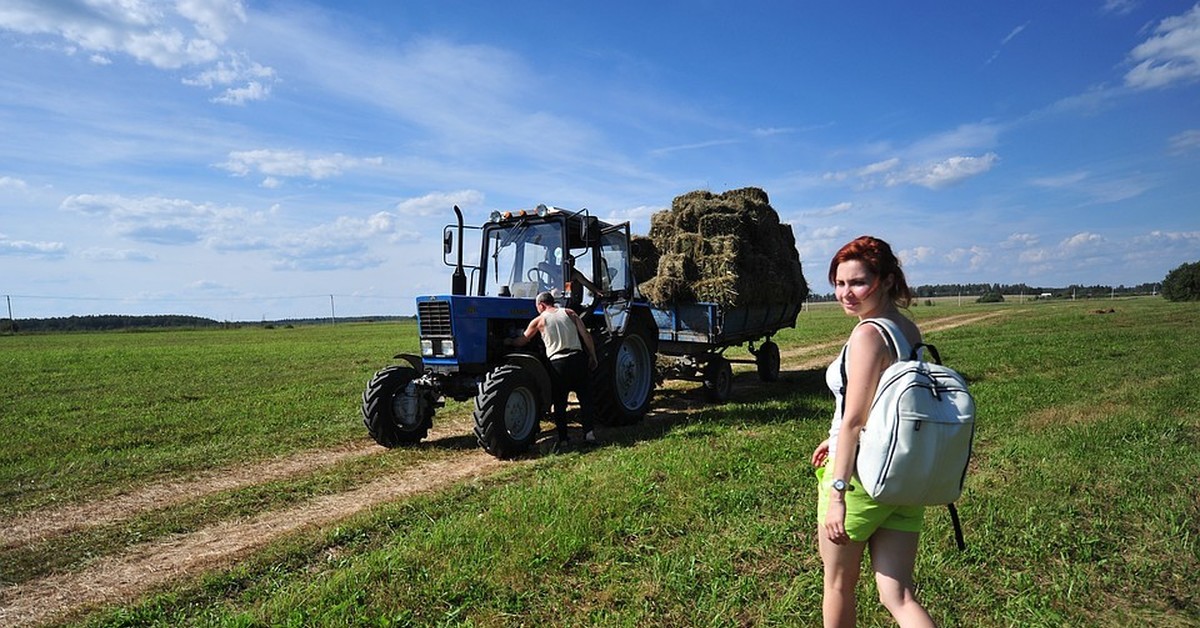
507	411
623	382
393	413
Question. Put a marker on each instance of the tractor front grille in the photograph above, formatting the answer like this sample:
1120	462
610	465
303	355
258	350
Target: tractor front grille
435	318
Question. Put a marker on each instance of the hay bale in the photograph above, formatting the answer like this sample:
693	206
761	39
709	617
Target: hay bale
643	258
727	248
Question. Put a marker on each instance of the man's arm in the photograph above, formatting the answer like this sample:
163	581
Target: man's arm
533	329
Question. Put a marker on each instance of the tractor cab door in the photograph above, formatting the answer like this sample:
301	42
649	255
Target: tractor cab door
614	277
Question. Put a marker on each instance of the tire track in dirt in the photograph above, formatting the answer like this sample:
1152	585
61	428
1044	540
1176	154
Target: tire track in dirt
128	575
139	569
824	351
45	524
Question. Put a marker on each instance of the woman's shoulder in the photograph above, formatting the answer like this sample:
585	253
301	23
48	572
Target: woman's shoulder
875	335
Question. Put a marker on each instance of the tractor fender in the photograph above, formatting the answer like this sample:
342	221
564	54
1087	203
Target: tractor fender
534	365
415	360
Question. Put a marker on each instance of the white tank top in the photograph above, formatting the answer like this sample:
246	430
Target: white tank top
559	333
833	379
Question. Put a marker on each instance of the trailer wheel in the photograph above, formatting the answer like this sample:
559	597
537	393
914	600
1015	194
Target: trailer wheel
394	414
767	361
718	380
507	411
624	379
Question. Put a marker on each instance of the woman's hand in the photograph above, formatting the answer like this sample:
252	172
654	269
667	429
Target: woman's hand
835	522
820	454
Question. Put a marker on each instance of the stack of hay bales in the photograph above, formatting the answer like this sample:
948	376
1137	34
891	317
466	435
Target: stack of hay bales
728	249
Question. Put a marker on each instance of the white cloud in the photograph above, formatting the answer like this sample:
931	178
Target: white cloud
342	244
826	233
1081	240
1097	189
945	173
12	182
168	36
1003	42
1070	179
116	255
158	220
1191	238
916	255
932	175
439	203
292	163
253	90
976	257
1020	240
1119	7
1171	55
256	77
832	210
212	18
35	250
1185	141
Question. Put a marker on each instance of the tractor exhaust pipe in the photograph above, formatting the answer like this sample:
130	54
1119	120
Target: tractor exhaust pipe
458	283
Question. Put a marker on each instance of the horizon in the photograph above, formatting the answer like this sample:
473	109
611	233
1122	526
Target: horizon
241	160
814	298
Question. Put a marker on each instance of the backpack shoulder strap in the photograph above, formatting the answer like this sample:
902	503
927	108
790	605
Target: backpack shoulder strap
895	337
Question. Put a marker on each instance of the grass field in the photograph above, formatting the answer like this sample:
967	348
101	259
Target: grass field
1082	507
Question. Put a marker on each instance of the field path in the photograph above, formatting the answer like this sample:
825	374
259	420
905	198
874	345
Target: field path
125	576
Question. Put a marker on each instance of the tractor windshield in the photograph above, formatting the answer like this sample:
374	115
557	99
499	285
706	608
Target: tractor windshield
524	259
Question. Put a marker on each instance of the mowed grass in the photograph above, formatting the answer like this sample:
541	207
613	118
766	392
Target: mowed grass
1082	507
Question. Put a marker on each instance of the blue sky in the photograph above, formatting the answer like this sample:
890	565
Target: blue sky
243	160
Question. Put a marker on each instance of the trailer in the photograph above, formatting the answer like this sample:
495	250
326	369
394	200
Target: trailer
693	338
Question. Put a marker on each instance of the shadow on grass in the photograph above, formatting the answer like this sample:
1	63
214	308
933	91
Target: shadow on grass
796	395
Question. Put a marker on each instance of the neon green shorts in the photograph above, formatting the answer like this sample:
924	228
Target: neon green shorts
864	515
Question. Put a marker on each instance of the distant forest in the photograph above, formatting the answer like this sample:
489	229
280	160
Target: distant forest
111	322
978	290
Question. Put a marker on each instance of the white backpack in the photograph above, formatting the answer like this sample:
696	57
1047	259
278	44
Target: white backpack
917	441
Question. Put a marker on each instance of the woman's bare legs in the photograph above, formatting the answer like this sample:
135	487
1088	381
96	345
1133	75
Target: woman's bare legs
842	563
893	557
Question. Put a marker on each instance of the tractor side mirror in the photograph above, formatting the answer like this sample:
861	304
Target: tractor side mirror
447	241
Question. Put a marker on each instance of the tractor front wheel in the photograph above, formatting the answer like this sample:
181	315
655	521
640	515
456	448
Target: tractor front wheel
507	411
394	410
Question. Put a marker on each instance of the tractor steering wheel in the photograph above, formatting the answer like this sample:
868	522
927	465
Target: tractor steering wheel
541	276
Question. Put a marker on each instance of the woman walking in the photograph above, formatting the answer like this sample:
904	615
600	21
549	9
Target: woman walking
868	283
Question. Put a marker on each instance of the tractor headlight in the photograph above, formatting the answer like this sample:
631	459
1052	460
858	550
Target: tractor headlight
427	348
448	348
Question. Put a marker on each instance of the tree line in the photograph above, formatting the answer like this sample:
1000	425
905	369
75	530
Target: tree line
986	290
113	322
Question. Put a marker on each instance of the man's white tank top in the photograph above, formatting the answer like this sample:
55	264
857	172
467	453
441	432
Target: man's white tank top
559	333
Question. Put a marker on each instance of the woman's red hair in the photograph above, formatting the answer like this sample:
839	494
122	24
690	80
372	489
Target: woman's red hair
877	256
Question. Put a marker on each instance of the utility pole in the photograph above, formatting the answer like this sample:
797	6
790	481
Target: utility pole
12	323
332	315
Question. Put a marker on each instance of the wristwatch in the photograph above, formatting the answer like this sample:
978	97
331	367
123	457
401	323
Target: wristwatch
842	486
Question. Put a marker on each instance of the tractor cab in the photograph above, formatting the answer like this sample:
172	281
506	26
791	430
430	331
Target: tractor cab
572	255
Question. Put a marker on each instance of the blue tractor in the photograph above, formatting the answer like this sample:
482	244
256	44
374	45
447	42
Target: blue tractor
582	260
